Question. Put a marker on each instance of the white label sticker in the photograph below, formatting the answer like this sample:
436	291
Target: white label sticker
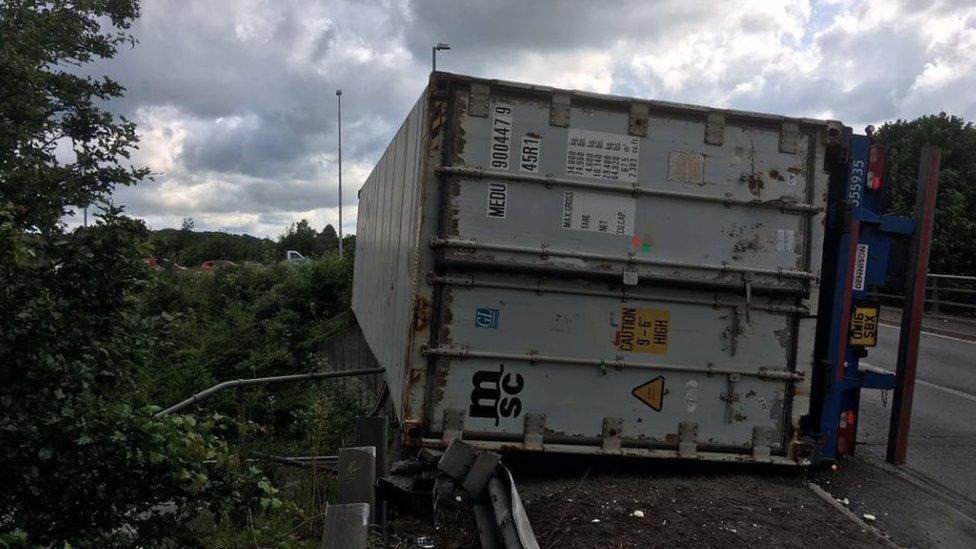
602	155
785	240
531	148
501	136
601	213
860	267
497	199
686	167
791	179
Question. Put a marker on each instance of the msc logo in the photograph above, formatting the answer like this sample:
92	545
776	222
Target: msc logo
494	393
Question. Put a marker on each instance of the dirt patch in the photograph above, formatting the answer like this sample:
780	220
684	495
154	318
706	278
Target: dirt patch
699	511
680	508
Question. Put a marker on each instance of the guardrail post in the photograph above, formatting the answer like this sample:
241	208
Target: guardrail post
914	305
346	526
357	477
935	295
371	431
241	399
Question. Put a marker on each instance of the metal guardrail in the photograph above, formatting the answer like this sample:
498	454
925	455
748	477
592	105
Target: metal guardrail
945	293
206	393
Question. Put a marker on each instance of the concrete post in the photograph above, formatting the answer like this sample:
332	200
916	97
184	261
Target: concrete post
372	431
357	477
346	526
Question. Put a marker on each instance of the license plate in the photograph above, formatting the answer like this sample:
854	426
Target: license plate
864	325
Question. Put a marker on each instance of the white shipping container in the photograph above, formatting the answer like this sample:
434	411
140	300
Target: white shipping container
552	270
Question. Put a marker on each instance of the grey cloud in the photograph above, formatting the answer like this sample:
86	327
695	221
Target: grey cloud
252	85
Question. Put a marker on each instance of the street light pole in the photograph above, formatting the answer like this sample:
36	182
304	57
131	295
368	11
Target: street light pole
339	100
433	53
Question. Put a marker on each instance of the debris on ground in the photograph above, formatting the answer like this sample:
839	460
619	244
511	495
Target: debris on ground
697	509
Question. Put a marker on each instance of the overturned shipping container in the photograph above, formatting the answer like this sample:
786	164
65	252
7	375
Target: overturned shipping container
550	270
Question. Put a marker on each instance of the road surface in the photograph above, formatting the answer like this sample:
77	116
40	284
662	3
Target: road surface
942	440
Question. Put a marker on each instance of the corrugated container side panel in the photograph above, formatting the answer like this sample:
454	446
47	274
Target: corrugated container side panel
575	398
387	232
674	163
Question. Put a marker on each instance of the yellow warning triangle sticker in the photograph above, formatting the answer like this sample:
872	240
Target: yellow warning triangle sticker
651	393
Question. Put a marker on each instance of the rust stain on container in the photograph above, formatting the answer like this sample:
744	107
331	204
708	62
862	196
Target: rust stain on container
755	181
421	314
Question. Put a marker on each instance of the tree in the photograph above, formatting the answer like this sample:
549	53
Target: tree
300	237
44	105
82	461
327	240
954	236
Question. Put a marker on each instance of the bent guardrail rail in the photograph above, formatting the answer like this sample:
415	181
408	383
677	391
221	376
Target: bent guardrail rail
207	393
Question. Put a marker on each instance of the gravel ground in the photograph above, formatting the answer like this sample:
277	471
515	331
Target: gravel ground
580	503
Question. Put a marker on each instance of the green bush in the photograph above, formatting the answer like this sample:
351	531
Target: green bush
82	460
244	322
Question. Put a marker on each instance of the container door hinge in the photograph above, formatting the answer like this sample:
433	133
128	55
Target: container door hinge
631	276
612	429
535	425
687	439
760	443
559	110
715	128
789	138
453	424
639	119
731	399
478	104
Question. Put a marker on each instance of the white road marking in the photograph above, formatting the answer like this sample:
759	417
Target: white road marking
950	338
950	390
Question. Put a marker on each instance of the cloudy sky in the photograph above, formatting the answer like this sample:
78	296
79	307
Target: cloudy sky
235	99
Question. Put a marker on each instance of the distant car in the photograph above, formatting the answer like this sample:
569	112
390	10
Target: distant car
292	255
162	263
214	264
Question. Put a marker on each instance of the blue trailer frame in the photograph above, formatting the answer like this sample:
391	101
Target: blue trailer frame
858	255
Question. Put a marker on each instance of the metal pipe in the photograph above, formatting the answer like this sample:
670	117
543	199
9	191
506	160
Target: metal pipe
470	244
560	272
310	462
636	189
207	393
624	294
941	301
953	277
339	116
464	352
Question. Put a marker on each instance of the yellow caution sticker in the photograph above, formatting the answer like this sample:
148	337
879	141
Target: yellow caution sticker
864	325
651	393
644	331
